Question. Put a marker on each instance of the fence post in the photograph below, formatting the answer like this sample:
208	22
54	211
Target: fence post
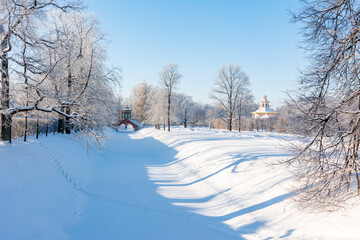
37	127
26	126
47	126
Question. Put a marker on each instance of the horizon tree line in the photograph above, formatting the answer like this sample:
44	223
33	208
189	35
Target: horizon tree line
161	105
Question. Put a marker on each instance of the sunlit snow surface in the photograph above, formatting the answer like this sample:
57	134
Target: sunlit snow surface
151	184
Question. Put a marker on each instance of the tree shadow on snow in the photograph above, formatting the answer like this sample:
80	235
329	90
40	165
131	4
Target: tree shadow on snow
121	202
251	228
256	207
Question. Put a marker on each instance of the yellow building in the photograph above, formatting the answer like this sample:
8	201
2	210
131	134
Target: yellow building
264	110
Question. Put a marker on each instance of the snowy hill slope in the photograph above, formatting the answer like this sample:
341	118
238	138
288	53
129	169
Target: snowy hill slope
55	188
186	184
228	176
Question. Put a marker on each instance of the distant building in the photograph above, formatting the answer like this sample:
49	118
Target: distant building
126	120
264	110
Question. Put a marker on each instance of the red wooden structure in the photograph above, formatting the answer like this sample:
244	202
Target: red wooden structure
126	120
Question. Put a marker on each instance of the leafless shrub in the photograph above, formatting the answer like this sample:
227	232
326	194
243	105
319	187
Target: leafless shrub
328	102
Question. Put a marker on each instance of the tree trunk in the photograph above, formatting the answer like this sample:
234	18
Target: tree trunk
37	128
69	85
168	113
240	115
60	124
6	120
230	121
26	126
185	120
67	121
47	127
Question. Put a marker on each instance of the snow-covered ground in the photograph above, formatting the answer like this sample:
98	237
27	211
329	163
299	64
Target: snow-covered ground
151	184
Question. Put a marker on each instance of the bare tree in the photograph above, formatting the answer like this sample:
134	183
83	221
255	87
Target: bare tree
17	25
77	38
140	101
169	78
58	57
329	102
185	103
211	113
230	85
245	102
182	106
157	110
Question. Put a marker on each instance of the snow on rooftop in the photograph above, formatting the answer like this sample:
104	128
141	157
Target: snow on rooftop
264	110
136	123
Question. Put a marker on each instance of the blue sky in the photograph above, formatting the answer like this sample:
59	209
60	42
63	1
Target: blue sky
201	37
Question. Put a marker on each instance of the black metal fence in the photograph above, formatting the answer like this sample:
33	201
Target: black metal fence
35	126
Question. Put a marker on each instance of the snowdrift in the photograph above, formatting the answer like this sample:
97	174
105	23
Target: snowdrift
151	184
